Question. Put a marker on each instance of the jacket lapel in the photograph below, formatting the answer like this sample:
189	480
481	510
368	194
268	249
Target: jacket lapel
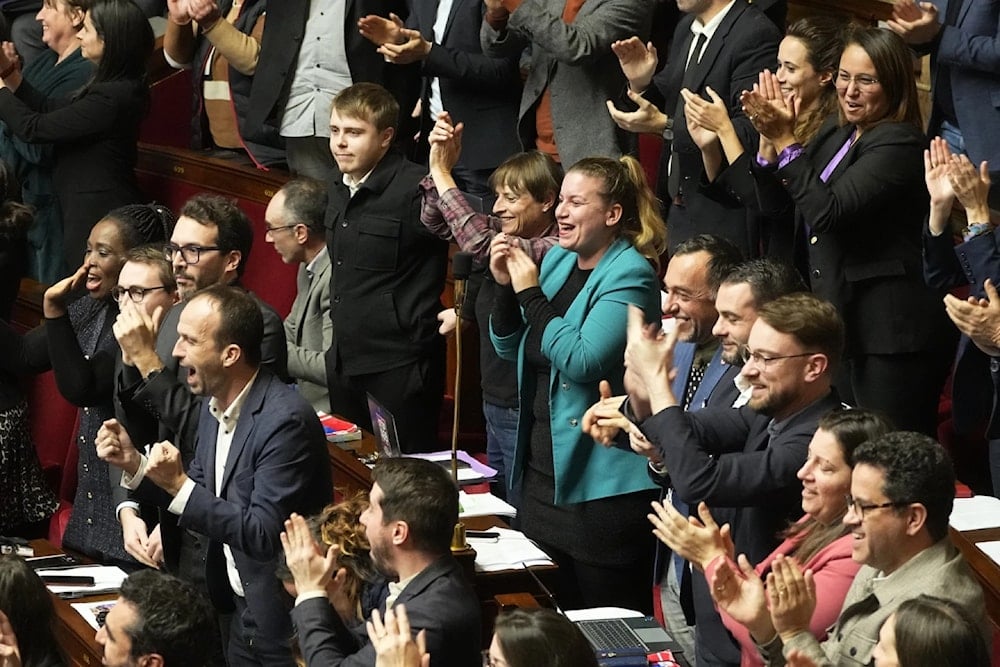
712	50
244	427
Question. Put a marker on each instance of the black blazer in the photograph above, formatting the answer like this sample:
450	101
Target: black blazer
95	138
481	91
745	43
279	53
863	232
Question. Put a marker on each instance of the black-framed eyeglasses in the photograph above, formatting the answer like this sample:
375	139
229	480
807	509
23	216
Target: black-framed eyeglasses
268	229
748	355
860	508
190	253
136	293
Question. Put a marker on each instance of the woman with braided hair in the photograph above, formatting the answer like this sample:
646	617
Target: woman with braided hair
76	341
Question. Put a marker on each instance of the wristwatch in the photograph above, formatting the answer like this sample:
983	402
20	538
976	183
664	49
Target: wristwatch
668	130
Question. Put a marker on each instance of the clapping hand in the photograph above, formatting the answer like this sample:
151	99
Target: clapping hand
413	48
937	164
647	119
522	269
698	542
971	187
393	642
637	60
649	354
792	594
916	24
741	595
772	114
446	143
602	421
10	654
979	319
379	30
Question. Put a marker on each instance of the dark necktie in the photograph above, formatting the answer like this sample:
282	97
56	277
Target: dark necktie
674	175
695	377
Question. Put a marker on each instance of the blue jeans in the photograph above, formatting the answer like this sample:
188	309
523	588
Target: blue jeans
501	438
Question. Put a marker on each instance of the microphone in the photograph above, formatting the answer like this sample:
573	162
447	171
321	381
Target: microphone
461	268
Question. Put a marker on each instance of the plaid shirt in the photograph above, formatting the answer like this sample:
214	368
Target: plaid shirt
449	216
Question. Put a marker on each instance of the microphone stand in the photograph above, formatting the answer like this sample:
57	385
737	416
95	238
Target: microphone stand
461	266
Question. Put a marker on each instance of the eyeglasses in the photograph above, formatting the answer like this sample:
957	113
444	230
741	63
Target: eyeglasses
190	253
860	508
863	81
268	229
137	294
759	359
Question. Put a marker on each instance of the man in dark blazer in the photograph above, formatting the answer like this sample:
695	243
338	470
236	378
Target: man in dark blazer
414	507
963	38
252	468
294	224
745	459
386	278
738	44
152	402
481	91
281	55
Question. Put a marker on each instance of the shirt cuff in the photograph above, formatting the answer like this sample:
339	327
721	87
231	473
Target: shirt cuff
128	504
309	595
132	482
179	502
789	153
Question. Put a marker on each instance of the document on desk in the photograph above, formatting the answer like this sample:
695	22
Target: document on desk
991	549
483	504
975	513
510	551
94	612
107	579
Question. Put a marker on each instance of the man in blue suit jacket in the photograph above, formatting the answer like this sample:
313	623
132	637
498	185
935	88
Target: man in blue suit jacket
252	468
963	38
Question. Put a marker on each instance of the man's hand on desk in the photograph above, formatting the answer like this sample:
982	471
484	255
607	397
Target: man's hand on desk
10	654
164	467
115	447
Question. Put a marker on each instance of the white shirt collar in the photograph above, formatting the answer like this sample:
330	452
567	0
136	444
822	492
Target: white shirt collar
709	28
227	419
353	185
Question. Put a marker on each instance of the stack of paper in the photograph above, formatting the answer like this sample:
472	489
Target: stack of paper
512	550
107	579
483	504
975	513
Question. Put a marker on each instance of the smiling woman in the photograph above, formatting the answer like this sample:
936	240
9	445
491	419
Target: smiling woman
571	336
95	130
77	342
819	541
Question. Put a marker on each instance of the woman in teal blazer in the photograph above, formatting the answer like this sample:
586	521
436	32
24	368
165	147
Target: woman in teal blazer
584	504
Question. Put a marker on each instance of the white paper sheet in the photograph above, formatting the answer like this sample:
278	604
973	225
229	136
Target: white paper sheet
106	578
512	550
991	549
975	513
483	504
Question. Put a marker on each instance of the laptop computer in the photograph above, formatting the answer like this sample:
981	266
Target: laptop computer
625	635
384	426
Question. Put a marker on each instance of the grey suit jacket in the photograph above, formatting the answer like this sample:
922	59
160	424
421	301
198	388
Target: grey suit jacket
574	60
309	331
938	570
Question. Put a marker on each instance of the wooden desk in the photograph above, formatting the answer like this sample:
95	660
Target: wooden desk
75	636
987	571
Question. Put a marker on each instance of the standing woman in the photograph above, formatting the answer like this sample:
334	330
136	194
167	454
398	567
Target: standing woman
582	503
95	130
860	207
59	71
77	342
808	58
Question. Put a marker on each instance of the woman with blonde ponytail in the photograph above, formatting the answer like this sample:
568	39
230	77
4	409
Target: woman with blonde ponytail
564	325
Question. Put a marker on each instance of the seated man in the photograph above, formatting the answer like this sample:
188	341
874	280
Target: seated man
902	490
414	508
158	621
252	466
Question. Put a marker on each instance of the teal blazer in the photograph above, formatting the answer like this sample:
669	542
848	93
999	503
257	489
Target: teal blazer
585	346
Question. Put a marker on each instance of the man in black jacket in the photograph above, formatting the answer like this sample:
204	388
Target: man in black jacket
387	273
